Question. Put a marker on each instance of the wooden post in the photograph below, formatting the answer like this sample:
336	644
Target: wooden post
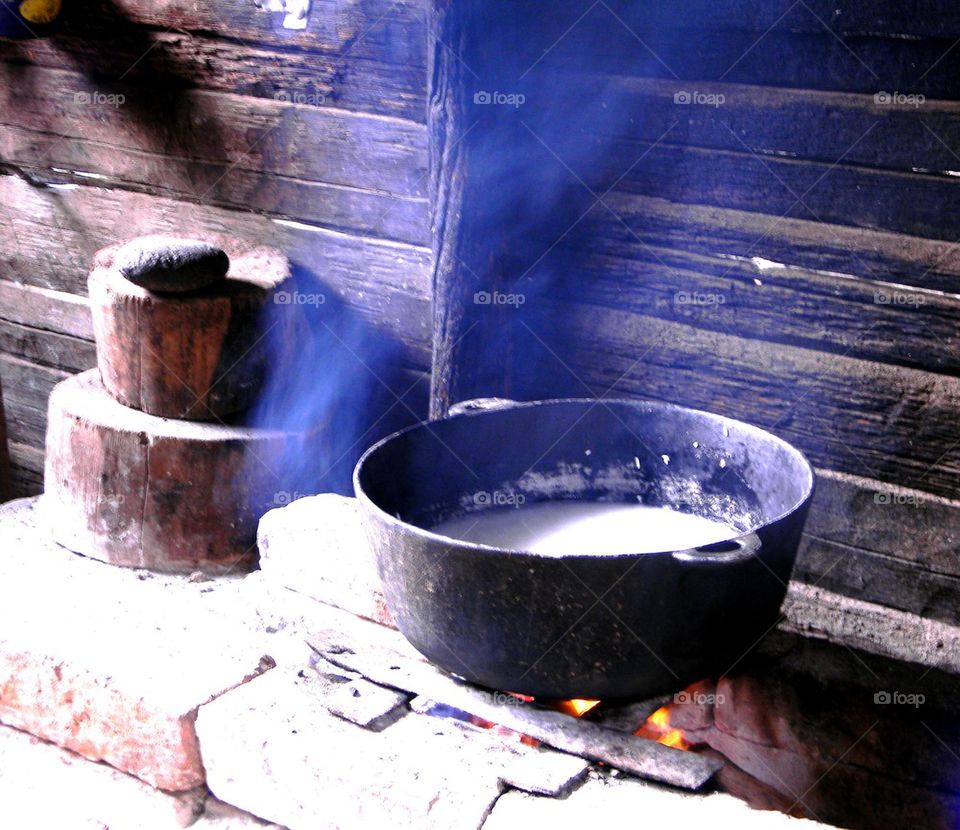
519	153
6	484
500	197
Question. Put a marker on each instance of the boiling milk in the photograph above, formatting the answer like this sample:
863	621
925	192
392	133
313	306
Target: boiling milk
556	528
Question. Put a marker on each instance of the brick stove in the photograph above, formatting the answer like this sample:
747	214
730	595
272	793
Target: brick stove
306	708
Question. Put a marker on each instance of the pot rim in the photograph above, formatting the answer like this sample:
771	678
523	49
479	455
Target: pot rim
760	432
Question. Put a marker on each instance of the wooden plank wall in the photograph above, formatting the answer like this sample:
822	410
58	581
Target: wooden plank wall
815	213
177	115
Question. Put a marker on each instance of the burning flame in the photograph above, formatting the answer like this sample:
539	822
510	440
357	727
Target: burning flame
577	707
657	727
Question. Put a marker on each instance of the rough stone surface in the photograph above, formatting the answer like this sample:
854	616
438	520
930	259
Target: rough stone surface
296	764
316	546
113	663
42	785
365	704
169	264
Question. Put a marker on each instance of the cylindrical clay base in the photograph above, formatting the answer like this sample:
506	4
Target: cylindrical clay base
136	490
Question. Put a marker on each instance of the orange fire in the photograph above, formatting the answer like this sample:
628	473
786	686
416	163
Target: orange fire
657	728
577	707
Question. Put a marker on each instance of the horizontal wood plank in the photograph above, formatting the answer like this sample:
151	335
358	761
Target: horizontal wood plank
836	193
48	238
902	133
603	262
26	387
26	466
731	234
345	170
40	308
890	423
368	57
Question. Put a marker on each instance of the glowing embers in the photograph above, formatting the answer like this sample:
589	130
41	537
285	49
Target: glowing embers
658	728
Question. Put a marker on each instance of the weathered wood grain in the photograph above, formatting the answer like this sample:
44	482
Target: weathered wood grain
201	356
345	170
53	311
879	579
6	474
48	239
26	387
790	123
136	490
824	310
725	233
58	351
889	423
366	56
26	470
839	193
913	526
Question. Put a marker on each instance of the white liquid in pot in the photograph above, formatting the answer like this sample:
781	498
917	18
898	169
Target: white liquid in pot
557	528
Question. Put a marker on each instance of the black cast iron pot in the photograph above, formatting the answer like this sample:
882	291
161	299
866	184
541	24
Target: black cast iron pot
584	626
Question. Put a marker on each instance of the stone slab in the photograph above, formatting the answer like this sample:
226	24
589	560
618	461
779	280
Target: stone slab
113	663
316	546
296	764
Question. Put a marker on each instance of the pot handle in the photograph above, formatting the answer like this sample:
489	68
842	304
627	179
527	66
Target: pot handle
722	553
